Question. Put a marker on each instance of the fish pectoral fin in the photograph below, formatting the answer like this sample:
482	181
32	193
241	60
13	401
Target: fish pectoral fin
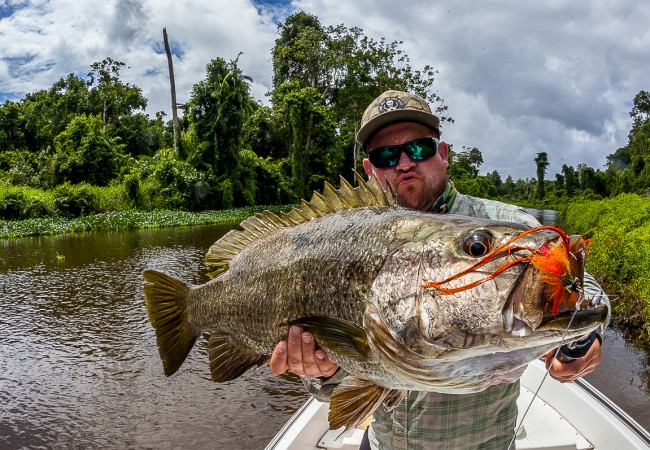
229	359
338	335
354	400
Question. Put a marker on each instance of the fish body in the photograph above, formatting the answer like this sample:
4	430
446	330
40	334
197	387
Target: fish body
349	266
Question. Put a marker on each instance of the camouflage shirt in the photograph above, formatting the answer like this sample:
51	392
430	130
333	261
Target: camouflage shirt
431	420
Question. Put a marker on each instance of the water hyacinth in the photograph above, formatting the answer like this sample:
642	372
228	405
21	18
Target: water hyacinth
124	220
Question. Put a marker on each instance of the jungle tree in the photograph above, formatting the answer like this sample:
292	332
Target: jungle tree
310	132
571	181
348	69
218	108
542	164
464	164
110	97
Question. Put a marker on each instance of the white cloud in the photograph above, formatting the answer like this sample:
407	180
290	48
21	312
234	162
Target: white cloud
518	77
48	40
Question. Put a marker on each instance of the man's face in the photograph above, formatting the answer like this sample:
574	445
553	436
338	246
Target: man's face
417	184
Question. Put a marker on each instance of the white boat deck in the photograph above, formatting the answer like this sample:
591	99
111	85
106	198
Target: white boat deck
570	416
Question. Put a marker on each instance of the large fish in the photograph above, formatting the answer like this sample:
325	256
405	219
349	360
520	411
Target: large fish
400	299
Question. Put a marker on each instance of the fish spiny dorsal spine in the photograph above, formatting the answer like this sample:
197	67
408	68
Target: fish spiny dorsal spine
367	194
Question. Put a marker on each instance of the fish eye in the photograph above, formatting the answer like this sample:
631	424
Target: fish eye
478	243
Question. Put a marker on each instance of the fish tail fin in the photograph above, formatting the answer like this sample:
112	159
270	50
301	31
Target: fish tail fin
166	300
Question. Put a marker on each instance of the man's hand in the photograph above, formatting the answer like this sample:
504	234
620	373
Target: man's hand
569	371
299	355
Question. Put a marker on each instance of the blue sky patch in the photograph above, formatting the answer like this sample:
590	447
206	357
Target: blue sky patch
152	72
176	49
17	66
272	2
7	10
278	9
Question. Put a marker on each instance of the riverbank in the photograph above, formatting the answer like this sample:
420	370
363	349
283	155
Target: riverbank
619	256
126	220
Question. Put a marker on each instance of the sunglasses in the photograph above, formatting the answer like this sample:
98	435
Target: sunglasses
417	150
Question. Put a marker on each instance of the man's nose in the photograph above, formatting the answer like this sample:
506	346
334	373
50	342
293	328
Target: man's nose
404	162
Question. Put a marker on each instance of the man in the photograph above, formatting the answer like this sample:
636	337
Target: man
401	138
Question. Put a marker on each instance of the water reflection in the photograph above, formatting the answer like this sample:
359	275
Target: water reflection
546	216
79	366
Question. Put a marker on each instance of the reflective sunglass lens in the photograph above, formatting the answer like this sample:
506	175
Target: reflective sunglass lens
417	150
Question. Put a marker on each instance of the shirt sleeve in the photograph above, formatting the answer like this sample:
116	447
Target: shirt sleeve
594	292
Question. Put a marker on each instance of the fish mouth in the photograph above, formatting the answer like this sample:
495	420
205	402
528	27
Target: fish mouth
527	311
546	297
548	294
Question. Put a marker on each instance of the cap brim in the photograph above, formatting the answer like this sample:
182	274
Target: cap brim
398	115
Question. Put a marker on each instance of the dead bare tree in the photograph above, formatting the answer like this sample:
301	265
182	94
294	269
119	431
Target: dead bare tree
173	89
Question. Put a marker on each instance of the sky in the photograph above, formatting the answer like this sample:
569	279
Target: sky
518	77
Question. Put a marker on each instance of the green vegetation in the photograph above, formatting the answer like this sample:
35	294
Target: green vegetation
619	255
124	220
91	132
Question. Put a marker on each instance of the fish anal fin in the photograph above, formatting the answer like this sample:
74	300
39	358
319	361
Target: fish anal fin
354	400
229	359
166	299
338	336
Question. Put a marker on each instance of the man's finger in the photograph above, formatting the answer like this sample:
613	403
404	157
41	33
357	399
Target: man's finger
294	350
325	365
308	359
278	363
567	372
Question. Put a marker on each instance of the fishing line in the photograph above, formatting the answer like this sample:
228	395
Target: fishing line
575	288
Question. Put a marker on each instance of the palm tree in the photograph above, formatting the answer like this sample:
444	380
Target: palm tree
542	164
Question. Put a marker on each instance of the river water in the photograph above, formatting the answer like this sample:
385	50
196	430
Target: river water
79	366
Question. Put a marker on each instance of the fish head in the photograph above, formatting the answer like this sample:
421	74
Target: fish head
488	287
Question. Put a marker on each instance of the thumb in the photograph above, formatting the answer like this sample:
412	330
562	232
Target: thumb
278	363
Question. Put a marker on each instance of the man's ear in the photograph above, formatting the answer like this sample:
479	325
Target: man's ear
367	166
443	150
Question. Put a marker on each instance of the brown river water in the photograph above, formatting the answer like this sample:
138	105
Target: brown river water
79	366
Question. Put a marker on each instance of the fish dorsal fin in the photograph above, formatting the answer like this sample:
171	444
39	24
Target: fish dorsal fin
228	360
355	399
368	193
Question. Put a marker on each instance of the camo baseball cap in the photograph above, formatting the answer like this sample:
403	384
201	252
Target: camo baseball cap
395	106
